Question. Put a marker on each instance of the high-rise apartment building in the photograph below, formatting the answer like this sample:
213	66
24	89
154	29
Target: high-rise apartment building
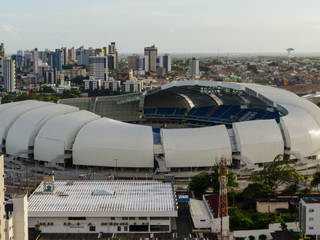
151	58
64	52
1	59
98	67
2	50
72	55
9	74
136	62
19	59
112	56
194	71
82	56
55	60
166	60
1	66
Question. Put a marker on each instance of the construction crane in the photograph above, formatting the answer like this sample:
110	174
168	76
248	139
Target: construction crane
223	200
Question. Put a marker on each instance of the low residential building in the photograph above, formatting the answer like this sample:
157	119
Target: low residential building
133	85
82	207
112	84
309	212
271	206
92	84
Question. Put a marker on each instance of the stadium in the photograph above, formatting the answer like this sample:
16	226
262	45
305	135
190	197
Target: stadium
179	126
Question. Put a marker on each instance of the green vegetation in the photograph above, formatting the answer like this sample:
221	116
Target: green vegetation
201	182
316	180
277	173
48	97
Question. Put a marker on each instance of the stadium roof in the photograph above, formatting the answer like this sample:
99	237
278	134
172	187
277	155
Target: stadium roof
50	130
124	198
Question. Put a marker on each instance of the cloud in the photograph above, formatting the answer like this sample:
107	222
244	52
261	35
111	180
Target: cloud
10	29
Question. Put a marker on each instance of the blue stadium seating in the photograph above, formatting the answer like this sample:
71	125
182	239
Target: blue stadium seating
225	114
165	111
149	111
180	111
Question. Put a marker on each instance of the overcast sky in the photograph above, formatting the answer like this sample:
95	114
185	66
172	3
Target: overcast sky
174	26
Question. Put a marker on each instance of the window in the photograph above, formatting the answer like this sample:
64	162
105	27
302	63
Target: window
202	220
125	228
113	218
92	228
132	218
142	218
159	218
138	228
159	228
311	219
119	228
311	210
76	218
311	228
124	218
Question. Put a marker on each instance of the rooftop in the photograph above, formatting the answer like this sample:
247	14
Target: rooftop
313	199
103	199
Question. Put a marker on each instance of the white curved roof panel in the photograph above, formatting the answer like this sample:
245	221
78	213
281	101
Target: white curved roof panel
203	83
258	141
106	142
9	115
284	97
24	130
301	131
58	134
195	147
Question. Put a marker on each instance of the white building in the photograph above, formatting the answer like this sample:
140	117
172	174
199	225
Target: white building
309	214
9	75
17	221
92	84
205	215
103	207
133	85
98	67
112	84
194	71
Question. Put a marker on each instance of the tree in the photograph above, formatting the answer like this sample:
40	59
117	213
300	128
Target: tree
256	190
316	180
200	183
276	173
291	189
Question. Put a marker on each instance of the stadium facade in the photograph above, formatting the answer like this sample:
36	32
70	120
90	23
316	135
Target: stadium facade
180	125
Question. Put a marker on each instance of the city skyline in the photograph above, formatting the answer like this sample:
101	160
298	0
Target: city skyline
173	26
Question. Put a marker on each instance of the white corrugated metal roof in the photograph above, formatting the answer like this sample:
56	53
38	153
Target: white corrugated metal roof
129	198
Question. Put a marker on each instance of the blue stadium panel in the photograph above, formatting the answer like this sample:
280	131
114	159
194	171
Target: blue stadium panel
156	136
